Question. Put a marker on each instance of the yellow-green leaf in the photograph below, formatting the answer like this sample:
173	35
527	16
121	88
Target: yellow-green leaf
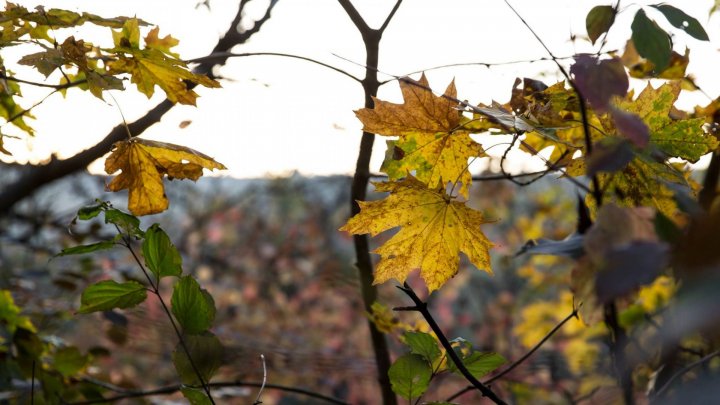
435	145
144	163
435	229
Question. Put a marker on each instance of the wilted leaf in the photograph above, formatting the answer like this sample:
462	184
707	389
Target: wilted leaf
423	344
410	376
206	352
682	21
598	21
435	229
161	256
193	307
144	163
651	41
107	295
435	145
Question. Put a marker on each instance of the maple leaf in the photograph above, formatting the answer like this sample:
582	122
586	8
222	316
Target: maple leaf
434	143
155	65
435	229
144	163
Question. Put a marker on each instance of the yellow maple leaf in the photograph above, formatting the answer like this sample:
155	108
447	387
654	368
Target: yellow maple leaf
144	163
435	144
435	229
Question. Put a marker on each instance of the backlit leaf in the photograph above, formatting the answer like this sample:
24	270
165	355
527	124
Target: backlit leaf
598	21
435	145
423	344
479	364
68	361
193	307
682	21
161	256
651	41
109	294
410	376
144	164
435	229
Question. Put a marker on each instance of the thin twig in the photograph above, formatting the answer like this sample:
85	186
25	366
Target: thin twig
170	389
573	314
264	381
421	307
227	55
684	370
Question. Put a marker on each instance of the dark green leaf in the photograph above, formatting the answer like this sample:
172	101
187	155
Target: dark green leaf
206	352
651	41
410	376
196	396
68	361
192	306
423	344
161	256
107	295
82	249
127	223
682	21
598	21
90	211
479	364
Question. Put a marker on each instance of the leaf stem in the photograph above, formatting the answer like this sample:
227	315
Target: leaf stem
421	307
178	333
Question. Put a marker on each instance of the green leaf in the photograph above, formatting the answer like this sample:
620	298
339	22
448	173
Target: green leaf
68	361
423	344
161	256
107	295
206	352
598	21
90	212
684	139
10	316
127	223
682	21
192	306
195	396
651	41
479	364
82	249
410	376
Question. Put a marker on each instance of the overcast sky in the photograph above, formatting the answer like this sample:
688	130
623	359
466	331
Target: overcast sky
276	115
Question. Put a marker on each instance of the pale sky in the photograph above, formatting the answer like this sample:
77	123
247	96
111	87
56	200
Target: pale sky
277	115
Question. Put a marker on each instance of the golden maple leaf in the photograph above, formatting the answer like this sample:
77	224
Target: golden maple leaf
434	142
144	163
435	229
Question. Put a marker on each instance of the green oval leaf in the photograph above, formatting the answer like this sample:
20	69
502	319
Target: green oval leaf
126	222
109	294
68	361
479	364
161	256
410	376
423	344
192	306
682	21
82	249
598	21
651	41
206	352
90	212
196	396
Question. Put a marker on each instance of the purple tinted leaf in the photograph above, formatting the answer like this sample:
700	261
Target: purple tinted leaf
599	80
631	127
629	267
572	246
610	155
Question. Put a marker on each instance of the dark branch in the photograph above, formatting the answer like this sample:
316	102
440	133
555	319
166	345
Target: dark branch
390	16
421	307
684	370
